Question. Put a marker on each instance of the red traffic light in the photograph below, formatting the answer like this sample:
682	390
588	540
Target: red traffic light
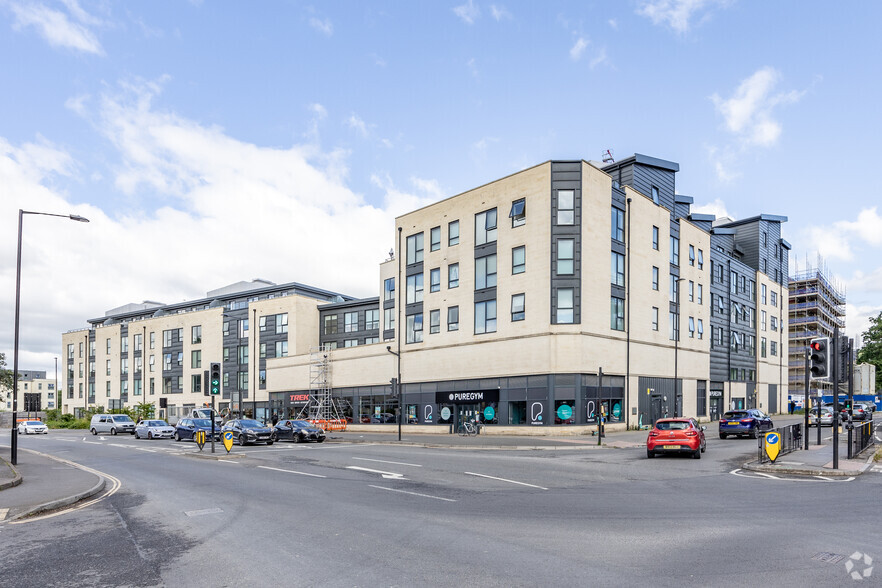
817	345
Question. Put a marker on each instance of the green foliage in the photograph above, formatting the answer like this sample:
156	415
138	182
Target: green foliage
144	410
5	374
871	348
67	421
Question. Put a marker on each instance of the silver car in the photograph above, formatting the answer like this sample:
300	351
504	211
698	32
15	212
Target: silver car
36	427
826	417
154	429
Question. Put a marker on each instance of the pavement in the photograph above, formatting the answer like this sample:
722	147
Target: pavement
41	483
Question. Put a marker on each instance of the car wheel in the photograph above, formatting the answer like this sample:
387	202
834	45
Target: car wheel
149	435
177	436
270	442
704	448
723	435
649	454
137	436
94	432
321	440
696	454
296	438
241	440
753	434
113	431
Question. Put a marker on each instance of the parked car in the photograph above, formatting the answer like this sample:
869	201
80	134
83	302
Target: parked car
298	432
35	427
249	431
750	422
826	417
112	423
187	428
679	435
385	417
858	410
154	429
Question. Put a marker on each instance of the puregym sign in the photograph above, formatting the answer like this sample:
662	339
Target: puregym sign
474	397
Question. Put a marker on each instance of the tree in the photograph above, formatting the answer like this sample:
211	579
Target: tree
5	375
871	349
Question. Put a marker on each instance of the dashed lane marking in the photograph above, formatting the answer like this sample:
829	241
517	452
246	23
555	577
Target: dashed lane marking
292	472
505	480
3	512
412	493
416	465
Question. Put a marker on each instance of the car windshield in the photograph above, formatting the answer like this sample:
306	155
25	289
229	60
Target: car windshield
157	424
672	425
250	423
302	424
202	422
33	423
736	415
122	418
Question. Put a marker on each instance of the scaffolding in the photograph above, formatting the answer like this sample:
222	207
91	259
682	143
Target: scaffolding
322	408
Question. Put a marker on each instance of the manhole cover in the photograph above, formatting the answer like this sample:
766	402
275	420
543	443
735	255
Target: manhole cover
827	557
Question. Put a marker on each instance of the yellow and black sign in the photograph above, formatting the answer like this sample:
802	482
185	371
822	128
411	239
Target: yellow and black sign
228	440
199	438
773	445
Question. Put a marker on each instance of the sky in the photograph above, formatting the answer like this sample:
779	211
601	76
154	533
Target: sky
210	142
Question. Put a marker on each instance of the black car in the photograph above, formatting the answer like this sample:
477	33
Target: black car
186	428
750	422
249	431
298	432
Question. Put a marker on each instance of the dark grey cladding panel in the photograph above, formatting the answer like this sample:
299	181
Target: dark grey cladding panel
388	334
618	199
566	166
646	177
388	304
485	249
618	246
414	269
681	210
616	291
485	295
413	308
567	175
675	228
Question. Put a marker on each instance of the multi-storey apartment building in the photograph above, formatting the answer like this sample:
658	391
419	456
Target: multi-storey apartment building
535	300
36	392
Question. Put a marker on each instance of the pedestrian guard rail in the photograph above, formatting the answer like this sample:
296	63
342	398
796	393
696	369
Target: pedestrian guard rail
791	436
860	437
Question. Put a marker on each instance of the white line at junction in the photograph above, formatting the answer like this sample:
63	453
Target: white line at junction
292	472
412	493
416	465
505	480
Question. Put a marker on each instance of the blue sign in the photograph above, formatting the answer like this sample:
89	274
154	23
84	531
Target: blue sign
565	412
773	445
489	413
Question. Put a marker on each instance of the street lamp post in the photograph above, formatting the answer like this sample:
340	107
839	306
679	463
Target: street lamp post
397	389
14	433
676	339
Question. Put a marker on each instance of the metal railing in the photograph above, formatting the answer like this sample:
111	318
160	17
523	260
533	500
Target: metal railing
791	436
859	438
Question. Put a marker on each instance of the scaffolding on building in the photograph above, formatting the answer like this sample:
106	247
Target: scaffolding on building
816	308
322	408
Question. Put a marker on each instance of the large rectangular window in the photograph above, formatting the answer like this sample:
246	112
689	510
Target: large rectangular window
691	254
617	227
389	319
453	233
196	334
243	354
518	312
655	238
414	288
566	207
372	319
565	306
565	256
414	328
389	289
167	337
281	323
434	321
196	358
453	275
519	260
617	269
518	213
485	317
435	239
331	327
350	322
415	248
485	227
675	251
654	278
654	318
673	326
485	272
453	318
281	349
435	280
617	314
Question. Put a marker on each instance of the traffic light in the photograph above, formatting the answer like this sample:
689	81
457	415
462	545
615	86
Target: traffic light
819	358
214	380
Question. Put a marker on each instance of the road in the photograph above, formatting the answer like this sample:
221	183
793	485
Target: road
357	514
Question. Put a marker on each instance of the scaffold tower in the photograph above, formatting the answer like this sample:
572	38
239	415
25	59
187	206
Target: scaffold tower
321	405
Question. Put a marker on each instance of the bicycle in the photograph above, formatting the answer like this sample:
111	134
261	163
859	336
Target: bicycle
467	429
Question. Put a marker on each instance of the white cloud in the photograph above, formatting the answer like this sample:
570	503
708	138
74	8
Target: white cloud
56	27
578	48
468	12
355	122
599	59
500	12
677	14
325	26
839	239
716	208
748	112
473	67
613	24
224	203
478	150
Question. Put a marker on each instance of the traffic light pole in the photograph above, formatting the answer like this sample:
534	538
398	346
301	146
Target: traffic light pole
835	361
212	424
806	402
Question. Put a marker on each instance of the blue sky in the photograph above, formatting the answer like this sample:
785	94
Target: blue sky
211	142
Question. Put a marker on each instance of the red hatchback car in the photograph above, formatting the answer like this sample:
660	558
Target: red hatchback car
679	435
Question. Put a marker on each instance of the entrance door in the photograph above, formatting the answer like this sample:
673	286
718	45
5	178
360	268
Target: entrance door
716	408
656	408
465	412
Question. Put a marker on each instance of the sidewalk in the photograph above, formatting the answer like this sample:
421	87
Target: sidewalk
818	460
41	483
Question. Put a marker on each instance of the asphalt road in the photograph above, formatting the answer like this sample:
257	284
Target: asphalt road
342	514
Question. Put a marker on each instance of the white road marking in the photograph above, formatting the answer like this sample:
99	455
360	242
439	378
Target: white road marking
412	493
3	512
115	485
387	475
292	472
204	511
505	480
416	465
92	442
790	462
762	476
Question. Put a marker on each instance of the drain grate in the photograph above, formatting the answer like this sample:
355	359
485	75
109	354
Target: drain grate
827	557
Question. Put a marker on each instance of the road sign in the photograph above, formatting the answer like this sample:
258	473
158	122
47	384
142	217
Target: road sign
228	440
199	438
773	445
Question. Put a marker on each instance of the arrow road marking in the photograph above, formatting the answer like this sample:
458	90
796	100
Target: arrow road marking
412	493
416	465
505	480
387	475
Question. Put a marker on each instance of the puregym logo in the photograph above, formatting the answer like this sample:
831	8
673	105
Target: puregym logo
859	566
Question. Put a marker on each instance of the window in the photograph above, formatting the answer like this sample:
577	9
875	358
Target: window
152	362
167	338
262	324
654	192
700	259
435	280
654	278
675	289
617	314
414	328
617	269
152	340
262	351
743	284
350	322
752	287
517	307
330	324
389	289
765	266
453	275
350	343
227	352
281	323
371	340
243	328
414	288
435	239
453	318
774	348
655	238
673	326
617	224
281	349
691	327
180	361
765	239
70	349
166	362
434	321
196	358
762	346
519	260
485	227
518	213
108	349
692	255
733	283
774	298
196	383
138	342
565	256
762	320
107	372
763	293
654	317
196	334
372	319
389	319
700	329
773	323
415	248
566	207
691	291
107	389
243	380
123	346
243	354
123	366
485	317
485	272
675	251
226	328
453	233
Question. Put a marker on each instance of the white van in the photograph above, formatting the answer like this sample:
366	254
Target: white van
205	413
112	423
